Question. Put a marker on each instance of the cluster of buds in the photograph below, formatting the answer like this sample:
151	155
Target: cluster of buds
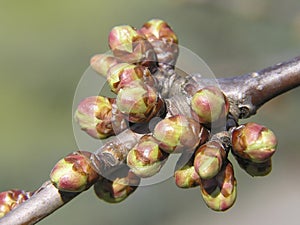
11	199
202	134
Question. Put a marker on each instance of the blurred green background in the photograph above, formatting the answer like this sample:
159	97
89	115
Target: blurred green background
45	47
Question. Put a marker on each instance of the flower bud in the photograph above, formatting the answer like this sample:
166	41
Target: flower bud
146	158
96	116
186	176
138	102
118	189
130	46
253	142
102	62
163	39
124	74
11	199
74	173
178	133
209	105
209	159
219	193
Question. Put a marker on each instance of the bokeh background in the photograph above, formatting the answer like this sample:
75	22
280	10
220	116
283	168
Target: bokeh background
45	47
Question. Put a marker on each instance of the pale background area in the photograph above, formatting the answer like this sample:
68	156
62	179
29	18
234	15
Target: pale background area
45	47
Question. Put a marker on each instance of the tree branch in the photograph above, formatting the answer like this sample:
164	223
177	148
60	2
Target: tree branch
250	91
246	93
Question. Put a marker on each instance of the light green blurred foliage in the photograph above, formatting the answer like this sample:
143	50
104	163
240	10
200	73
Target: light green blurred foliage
45	47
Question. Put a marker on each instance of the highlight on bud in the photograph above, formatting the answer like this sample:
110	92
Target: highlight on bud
124	74
139	102
209	104
101	63
163	39
146	159
74	173
253	142
219	193
11	199
96	116
178	133
118	189
209	159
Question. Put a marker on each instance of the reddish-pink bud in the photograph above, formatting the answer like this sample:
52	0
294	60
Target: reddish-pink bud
96	115
138	102
11	199
219	193
163	39
124	74
146	158
131	46
186	176
101	63
178	133
209	105
74	173
209	159
254	142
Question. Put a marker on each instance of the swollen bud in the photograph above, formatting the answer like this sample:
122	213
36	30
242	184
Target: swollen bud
124	74
98	118
129	45
118	189
74	173
146	158
163	39
101	63
139	102
11	199
178	133
219	193
186	176
209	105
253	142
209	159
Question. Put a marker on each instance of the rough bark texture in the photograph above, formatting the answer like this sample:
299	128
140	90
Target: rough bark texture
246	94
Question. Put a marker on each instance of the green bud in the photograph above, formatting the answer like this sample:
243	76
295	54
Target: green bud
118	189
96	116
253	142
138	102
163	39
219	193
11	199
101	63
209	105
178	133
209	159
186	176
129	45
146	158
74	173
124	74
